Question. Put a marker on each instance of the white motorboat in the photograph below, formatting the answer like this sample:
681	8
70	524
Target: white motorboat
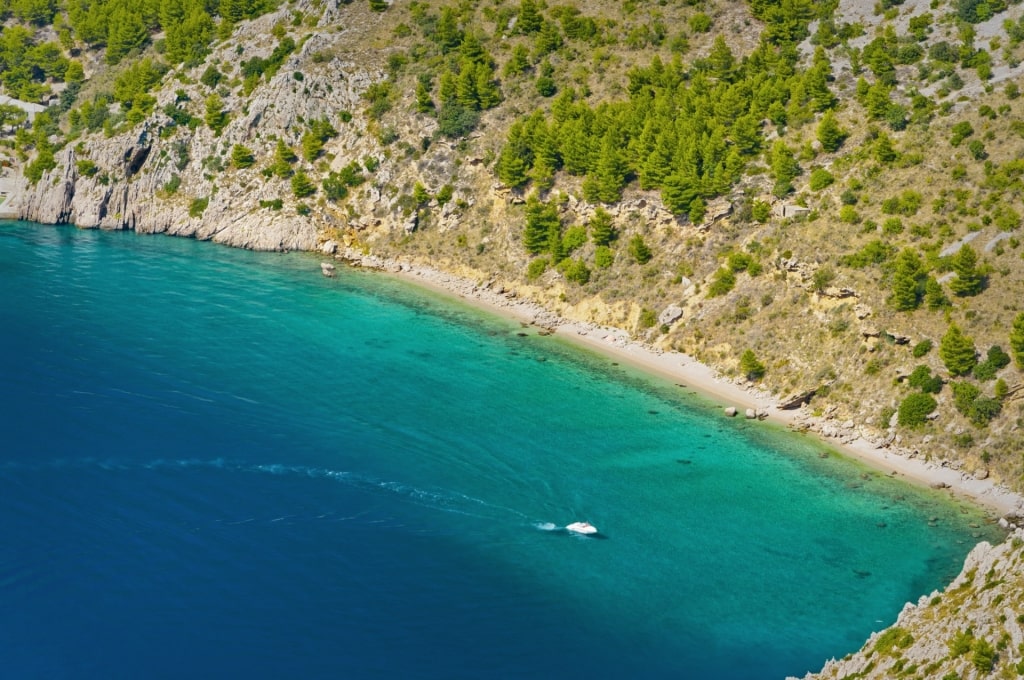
581	528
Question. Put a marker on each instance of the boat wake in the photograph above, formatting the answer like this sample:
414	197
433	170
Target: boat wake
442	500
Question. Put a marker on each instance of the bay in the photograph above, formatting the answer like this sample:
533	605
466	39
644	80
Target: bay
219	463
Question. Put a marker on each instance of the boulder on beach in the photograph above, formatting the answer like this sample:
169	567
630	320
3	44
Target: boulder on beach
730	411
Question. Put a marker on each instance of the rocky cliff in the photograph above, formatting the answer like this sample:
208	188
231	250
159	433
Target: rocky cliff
972	629
131	174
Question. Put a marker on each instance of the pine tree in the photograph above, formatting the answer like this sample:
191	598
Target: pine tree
448	35
126	32
576	146
232	11
242	156
540	219
424	104
188	39
816	88
555	245
542	174
784	167
658	164
215	116
639	250
606	182
518	62
449	89
678	192
602	232
515	158
884	150
465	86
312	145
472	49
750	367
746	134
283	159
302	186
529	19
830	134
907	281
548	39
487	91
969	280
934	297
1017	340
721	59
957	351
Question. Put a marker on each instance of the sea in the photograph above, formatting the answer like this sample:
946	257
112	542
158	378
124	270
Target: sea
218	463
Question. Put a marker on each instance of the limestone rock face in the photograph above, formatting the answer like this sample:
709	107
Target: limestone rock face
153	177
951	632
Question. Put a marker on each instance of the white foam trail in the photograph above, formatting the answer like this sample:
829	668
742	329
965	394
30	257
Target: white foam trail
546	526
436	499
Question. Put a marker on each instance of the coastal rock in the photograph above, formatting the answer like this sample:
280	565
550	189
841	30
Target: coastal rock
750	414
670	315
327	269
797	400
978	601
730	411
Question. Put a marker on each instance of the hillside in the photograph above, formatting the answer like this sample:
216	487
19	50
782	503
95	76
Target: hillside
820	199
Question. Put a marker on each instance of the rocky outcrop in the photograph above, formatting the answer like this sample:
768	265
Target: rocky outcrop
973	629
131	180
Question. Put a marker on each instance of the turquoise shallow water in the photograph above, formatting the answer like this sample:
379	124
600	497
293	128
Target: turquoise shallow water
217	462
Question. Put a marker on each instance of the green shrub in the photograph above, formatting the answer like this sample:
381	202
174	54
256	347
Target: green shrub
334	187
849	215
603	257
892	225
997	357
961	131
574	237
922	348
648	318
171	186
700	23
86	167
984	657
923	380
546	86
536	268
724	280
198	206
914	409
893	639
575	270
820	178
760	211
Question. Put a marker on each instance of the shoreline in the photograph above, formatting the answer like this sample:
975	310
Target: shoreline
678	367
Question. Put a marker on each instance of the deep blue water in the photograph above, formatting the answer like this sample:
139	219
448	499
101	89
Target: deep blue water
217	463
